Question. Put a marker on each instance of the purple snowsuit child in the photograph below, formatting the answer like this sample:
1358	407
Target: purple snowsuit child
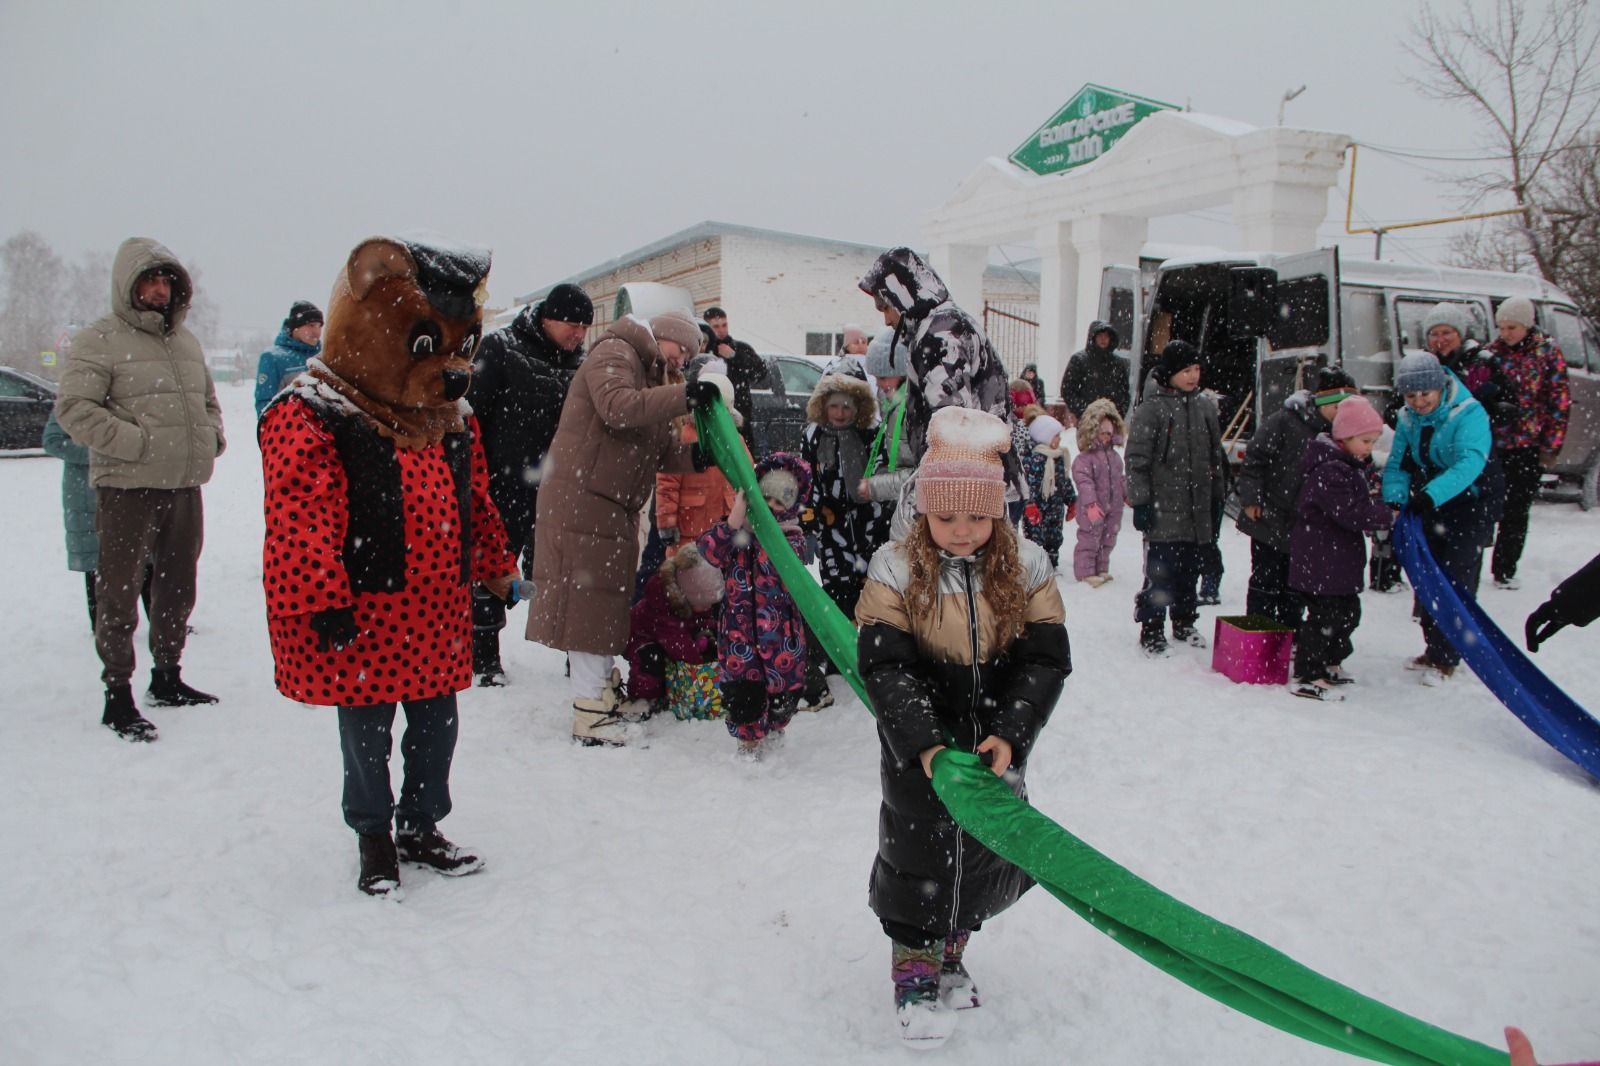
760	639
1102	488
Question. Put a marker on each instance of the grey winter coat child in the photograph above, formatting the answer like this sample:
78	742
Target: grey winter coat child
1176	465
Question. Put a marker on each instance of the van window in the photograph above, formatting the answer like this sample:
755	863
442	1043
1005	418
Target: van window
1409	312
1568	330
1592	342
1302	320
1121	312
1364	338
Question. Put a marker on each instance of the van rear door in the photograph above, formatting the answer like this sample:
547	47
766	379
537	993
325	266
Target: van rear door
1305	328
1120	305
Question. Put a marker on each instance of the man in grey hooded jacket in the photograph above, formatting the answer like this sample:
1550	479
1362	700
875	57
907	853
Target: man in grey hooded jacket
137	394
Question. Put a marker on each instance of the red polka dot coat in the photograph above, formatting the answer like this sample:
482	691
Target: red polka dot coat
395	533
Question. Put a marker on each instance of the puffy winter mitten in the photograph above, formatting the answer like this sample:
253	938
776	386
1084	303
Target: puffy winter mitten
702	395
1421	502
1072	510
1032	513
1144	517
1543	624
826	516
668	534
336	629
1096	513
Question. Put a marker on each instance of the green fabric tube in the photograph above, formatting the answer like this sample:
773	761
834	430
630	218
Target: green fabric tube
1207	955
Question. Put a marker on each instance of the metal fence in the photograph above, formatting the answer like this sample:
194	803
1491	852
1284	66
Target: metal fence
1015	336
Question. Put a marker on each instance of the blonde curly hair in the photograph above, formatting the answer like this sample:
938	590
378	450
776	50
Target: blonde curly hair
1000	571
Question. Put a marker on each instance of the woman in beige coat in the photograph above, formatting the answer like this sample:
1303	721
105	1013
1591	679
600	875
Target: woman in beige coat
613	438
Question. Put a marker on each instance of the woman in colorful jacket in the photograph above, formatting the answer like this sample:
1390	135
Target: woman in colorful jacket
1535	372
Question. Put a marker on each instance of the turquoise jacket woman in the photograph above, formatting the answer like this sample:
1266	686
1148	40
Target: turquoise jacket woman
1459	448
77	498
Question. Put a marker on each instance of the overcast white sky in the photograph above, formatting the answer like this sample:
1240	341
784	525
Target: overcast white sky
263	140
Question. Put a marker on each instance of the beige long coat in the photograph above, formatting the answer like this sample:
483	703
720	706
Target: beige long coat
612	440
136	391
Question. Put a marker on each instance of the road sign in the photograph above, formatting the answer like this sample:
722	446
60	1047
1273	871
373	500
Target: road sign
1085	129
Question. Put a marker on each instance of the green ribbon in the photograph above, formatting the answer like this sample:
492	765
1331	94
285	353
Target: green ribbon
894	440
1210	956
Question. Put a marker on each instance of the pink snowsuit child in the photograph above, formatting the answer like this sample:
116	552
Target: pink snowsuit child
1102	490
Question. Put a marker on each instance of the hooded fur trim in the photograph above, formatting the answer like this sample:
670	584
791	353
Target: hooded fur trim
853	387
1100	411
688	556
798	468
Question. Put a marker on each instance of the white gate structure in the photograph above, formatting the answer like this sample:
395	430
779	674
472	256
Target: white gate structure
1275	180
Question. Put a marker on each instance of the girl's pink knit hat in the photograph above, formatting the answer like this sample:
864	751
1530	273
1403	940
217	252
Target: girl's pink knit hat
1355	417
961	472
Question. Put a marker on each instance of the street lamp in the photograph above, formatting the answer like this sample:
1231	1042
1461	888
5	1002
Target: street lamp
1288	95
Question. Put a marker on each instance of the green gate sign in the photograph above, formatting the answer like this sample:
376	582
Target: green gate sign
1083	130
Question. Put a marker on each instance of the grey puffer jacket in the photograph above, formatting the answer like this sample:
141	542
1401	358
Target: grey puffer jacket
1270	476
136	391
1176	462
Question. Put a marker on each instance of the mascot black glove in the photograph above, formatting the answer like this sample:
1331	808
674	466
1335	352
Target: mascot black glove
336	629
1421	502
1543	624
1144	517
702	394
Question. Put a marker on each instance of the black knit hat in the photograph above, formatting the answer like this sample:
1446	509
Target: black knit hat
567	303
1332	385
302	313
1176	356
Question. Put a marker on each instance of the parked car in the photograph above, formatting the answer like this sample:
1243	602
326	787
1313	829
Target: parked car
780	408
25	405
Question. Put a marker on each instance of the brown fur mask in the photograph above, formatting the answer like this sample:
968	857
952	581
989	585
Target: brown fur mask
402	327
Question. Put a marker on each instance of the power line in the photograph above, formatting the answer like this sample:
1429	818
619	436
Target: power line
1438	154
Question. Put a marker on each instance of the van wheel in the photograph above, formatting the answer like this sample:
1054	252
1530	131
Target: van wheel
1590	496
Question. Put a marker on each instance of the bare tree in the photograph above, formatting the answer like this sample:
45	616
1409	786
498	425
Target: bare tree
32	278
88	289
1529	71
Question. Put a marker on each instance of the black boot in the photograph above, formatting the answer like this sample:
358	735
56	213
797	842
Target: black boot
1210	593
1153	638
122	716
486	658
428	847
380	867
168	690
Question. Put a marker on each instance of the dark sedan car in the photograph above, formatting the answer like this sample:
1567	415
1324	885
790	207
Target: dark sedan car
780	408
25	405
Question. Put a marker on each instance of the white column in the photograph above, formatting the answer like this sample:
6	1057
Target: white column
962	266
1058	300
1277	216
1102	241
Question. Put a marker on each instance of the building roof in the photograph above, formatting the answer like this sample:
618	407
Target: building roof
705	231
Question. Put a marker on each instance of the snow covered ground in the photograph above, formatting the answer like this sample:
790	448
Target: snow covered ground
194	901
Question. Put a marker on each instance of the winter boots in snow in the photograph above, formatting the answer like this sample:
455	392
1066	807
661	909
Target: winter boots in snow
956	990
599	722
1186	633
122	716
168	690
1153	638
380	866
486	658
925	1022
1210	593
428	847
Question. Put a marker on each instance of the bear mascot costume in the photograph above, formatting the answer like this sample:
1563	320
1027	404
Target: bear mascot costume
378	522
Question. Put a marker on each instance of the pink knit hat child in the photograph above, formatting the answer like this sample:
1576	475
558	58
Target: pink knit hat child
961	472
1355	417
